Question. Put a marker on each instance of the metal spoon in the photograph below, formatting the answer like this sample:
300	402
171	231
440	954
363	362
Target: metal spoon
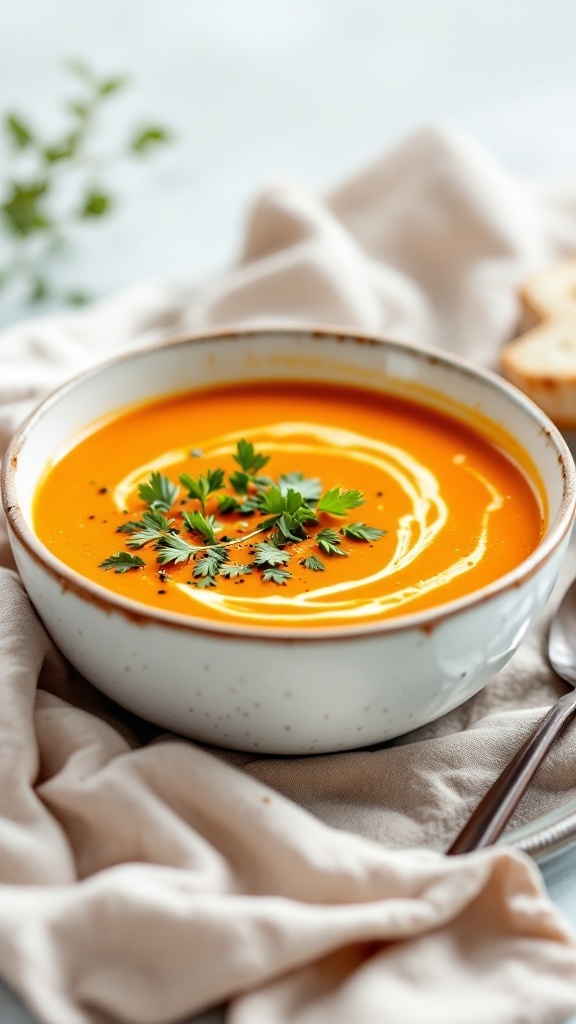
493	813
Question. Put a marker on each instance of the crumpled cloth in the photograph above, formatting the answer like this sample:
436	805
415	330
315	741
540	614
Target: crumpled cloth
144	878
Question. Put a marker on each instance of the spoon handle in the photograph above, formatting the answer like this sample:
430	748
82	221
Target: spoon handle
495	810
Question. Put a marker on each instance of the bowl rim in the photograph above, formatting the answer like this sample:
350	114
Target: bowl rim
426	620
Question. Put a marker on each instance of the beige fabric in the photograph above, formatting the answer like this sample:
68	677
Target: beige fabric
143	878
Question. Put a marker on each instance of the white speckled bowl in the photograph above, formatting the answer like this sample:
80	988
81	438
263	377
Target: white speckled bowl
287	691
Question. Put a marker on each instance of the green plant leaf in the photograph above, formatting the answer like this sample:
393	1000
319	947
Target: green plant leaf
148	138
39	291
132	526
273	575
309	488
211	563
359	531
200	524
239	481
81	69
96	204
228	503
268	554
63	150
122	561
316	564
159	493
112	85
328	541
77	298
200	487
152	527
338	502
19	132
233	569
173	548
204	582
80	108
248	459
289	529
273	501
22	211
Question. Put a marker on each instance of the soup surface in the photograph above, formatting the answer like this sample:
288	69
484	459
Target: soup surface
287	504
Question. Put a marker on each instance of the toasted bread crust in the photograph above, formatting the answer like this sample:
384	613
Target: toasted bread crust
542	361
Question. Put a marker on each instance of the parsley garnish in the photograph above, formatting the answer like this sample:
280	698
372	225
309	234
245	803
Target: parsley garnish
328	541
232	569
269	554
359	531
288	511
205	581
228	503
211	563
274	575
130	527
274	501
122	562
159	493
247	458
152	527
313	563
205	484
240	482
338	502
310	489
206	526
172	548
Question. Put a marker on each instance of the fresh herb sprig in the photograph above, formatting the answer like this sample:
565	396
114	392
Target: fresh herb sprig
204	485
55	184
122	561
289	510
159	493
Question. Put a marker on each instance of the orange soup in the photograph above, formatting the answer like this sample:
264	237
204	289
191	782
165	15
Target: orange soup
287	504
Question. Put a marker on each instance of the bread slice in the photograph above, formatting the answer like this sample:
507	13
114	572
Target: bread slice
551	294
542	363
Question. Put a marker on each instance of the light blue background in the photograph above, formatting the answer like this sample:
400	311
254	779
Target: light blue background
255	90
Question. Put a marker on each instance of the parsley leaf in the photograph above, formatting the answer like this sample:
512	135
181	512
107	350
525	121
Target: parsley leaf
130	527
122	562
152	527
211	563
205	581
289	529
173	548
273	575
338	502
314	563
247	458
273	501
309	488
289	507
232	569
228	503
159	493
239	481
359	531
201	524
268	554
205	484
328	541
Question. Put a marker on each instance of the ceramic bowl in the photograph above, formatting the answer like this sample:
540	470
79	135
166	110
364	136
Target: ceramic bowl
279	691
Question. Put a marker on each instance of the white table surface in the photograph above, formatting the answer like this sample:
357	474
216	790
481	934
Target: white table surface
305	89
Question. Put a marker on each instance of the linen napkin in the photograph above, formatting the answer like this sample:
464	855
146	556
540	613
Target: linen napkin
144	878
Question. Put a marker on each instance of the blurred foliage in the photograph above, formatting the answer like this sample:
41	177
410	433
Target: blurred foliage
57	184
